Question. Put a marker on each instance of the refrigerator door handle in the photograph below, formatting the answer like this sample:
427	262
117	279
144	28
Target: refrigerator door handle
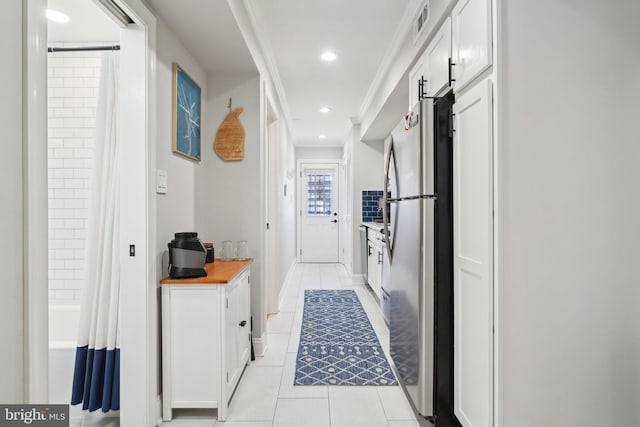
402	199
385	202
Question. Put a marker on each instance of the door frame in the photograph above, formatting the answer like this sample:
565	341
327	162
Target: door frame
140	403
271	142
299	184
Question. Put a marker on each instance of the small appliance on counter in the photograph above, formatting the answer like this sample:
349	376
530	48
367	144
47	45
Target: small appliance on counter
187	256
210	252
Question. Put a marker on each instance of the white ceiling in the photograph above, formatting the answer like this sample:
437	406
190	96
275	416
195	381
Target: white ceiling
298	31
87	23
209	31
295	33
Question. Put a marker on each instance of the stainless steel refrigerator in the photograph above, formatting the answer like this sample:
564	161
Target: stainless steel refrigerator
417	269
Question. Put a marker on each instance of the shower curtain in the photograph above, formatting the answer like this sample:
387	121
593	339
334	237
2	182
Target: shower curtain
96	377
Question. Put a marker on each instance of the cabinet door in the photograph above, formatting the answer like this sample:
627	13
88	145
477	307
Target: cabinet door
473	248
375	267
378	284
471	40
190	343
231	336
418	71
243	321
371	265
438	57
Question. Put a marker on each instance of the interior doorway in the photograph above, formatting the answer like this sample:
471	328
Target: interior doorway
139	399
74	78
318	211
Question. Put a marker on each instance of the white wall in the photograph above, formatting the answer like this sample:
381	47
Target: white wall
73	82
11	366
368	174
318	153
176	209
228	192
348	196
569	209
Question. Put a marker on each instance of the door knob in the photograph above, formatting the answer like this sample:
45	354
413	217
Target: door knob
334	221
243	323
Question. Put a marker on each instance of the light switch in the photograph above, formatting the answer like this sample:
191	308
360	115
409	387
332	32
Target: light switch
161	182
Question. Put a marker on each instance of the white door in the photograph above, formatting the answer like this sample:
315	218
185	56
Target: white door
319	212
471	40
231	337
417	73
438	56
473	248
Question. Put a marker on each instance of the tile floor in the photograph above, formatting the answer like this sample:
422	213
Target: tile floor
266	396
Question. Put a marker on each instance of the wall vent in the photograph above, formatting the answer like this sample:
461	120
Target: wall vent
421	20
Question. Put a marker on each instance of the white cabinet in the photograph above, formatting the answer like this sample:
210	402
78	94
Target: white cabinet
438	55
238	326
471	40
418	72
432	65
205	340
473	249
374	261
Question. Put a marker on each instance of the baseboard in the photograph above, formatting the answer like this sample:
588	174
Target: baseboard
357	279
285	285
260	345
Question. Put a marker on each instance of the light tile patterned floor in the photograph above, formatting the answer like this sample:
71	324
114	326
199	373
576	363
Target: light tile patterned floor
266	396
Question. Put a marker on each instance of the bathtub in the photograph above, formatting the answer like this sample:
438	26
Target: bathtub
63	330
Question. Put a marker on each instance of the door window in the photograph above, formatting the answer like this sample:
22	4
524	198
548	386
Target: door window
319	194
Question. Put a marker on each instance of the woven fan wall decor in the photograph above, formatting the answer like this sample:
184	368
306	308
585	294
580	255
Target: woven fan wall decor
229	142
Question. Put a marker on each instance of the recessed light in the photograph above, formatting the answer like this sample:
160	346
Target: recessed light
322	136
328	56
57	16
325	110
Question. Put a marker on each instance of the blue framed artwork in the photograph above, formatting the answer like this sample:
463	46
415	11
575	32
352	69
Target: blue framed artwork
187	98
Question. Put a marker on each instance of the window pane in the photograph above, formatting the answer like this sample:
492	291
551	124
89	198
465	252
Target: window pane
319	193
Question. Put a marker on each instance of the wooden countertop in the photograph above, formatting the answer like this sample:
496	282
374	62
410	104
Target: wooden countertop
220	272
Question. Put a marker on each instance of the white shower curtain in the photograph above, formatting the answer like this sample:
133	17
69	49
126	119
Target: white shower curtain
96	379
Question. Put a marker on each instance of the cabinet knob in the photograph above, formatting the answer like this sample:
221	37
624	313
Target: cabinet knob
243	323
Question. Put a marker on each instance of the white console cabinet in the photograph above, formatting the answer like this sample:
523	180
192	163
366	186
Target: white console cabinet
206	337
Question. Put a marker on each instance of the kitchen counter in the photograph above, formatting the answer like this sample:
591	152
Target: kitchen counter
219	272
376	226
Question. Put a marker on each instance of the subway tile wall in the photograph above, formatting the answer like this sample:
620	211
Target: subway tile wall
73	81
370	212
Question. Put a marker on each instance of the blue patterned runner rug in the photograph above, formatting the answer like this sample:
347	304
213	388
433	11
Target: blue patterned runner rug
338	346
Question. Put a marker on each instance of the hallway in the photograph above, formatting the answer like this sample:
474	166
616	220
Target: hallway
266	397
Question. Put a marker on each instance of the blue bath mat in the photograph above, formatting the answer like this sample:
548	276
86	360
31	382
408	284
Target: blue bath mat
337	343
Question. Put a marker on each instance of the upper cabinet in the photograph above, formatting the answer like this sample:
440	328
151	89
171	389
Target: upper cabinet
417	73
459	52
471	40
438	55
432	66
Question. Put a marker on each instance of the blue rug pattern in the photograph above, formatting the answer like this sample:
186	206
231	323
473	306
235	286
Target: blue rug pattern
338	345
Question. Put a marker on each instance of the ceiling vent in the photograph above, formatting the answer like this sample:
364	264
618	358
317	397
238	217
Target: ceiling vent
421	20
